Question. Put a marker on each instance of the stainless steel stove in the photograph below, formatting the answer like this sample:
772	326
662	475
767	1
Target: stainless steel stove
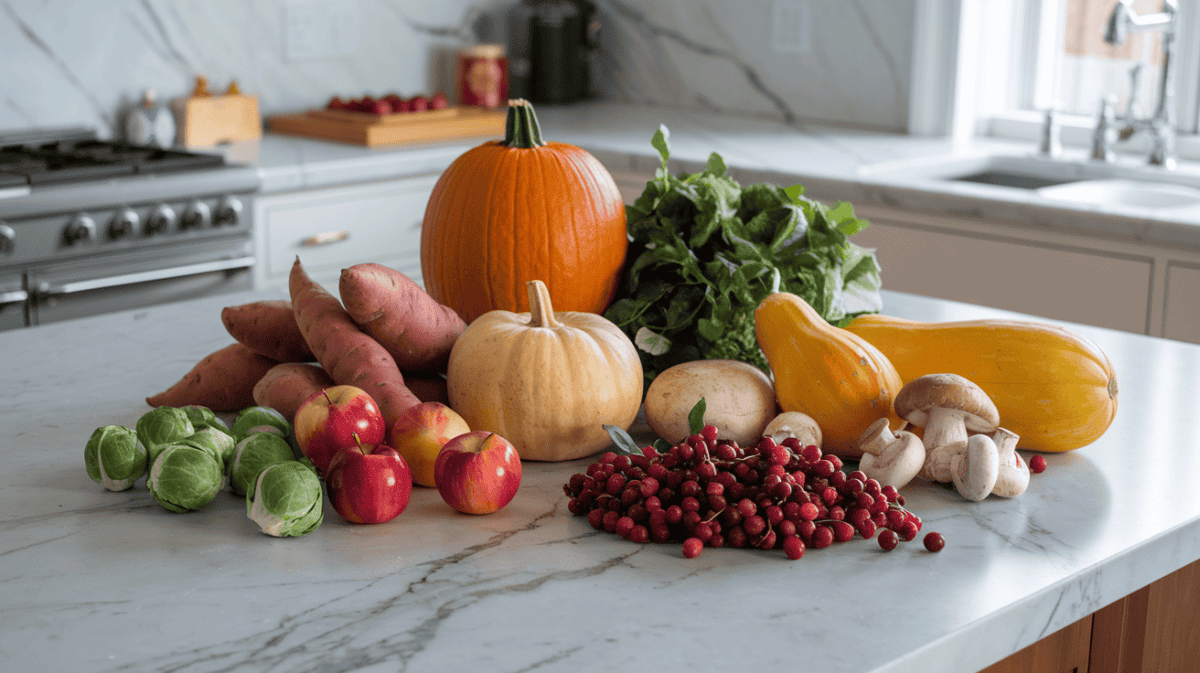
90	226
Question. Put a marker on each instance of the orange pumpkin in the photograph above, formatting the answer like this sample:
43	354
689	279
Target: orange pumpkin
522	209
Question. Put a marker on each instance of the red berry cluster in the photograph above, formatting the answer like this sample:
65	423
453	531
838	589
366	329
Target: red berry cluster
710	492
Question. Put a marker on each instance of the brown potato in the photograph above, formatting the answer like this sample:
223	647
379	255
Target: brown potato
739	400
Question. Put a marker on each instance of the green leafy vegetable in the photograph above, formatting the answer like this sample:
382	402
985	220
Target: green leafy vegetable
705	251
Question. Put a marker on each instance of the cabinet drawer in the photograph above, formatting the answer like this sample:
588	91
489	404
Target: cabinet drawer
341	227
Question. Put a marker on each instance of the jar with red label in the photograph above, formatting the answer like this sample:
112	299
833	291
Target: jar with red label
483	76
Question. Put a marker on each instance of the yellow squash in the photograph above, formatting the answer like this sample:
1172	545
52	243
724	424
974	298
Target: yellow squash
837	378
1054	388
547	382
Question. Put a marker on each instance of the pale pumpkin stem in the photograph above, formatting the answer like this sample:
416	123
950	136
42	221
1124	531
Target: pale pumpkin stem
541	311
521	126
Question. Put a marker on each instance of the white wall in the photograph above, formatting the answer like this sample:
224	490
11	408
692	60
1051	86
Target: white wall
83	62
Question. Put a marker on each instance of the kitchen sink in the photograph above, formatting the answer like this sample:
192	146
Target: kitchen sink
1063	180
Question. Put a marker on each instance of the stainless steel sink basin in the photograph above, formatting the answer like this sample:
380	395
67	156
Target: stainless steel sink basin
1056	180
1131	193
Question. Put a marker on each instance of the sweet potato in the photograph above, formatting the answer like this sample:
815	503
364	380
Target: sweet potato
223	381
415	329
287	385
268	328
428	388
349	355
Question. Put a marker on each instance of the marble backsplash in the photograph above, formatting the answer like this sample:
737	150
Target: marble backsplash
85	62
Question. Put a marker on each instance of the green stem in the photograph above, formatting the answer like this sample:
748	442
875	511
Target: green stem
521	127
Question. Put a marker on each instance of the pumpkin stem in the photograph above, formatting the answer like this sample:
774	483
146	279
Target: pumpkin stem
541	312
521	126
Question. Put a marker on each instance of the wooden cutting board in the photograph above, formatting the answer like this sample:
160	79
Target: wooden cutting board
403	128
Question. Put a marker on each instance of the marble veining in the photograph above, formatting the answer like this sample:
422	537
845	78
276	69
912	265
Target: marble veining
104	581
79	62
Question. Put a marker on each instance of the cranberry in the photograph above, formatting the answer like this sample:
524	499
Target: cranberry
934	542
1037	464
888	539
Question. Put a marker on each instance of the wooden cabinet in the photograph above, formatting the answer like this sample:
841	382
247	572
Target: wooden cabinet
1181	303
1153	630
331	229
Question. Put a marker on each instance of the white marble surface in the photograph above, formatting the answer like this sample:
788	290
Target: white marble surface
103	581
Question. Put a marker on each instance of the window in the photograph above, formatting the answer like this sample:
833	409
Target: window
1033	55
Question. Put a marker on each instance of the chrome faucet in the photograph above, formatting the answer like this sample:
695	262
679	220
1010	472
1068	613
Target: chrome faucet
1160	126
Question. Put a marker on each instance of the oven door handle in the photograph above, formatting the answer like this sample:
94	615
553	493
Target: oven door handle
13	297
146	276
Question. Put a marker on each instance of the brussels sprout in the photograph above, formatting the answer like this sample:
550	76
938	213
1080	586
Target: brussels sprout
286	500
160	427
203	417
185	478
114	457
254	416
252	455
216	441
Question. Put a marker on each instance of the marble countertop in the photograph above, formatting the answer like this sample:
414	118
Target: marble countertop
102	581
862	167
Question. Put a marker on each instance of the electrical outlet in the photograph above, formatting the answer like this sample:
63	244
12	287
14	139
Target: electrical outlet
791	26
316	30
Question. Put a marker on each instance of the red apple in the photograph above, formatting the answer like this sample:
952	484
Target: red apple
328	421
369	484
478	472
420	432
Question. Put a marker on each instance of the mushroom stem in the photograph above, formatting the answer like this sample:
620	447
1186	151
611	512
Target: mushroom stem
890	458
1013	478
975	471
945	426
938	461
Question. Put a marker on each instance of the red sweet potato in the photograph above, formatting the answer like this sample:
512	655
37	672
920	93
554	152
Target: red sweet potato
287	385
268	328
428	388
223	381
415	329
349	355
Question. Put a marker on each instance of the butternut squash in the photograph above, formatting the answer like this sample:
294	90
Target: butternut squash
834	376
1053	387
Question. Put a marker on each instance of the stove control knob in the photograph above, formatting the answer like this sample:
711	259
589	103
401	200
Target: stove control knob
8	240
123	225
229	212
196	216
82	229
161	220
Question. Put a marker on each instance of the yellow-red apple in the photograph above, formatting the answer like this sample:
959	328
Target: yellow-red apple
478	472
420	432
328	421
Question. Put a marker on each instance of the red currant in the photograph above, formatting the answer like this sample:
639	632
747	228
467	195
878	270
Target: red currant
692	547
888	539
934	542
1037	464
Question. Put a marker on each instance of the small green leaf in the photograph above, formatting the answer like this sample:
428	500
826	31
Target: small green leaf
696	417
662	142
622	441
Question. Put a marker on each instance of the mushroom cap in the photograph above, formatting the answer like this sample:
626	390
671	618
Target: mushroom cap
947	391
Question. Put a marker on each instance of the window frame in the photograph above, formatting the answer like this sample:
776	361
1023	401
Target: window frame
955	57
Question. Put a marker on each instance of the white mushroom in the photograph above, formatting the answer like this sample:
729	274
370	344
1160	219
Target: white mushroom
947	406
890	457
1014	472
794	424
975	471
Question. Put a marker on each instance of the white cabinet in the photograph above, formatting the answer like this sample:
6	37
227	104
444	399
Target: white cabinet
1181	310
334	228
1061	281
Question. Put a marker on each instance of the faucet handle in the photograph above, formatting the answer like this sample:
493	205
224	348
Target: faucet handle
1104	135
1051	145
